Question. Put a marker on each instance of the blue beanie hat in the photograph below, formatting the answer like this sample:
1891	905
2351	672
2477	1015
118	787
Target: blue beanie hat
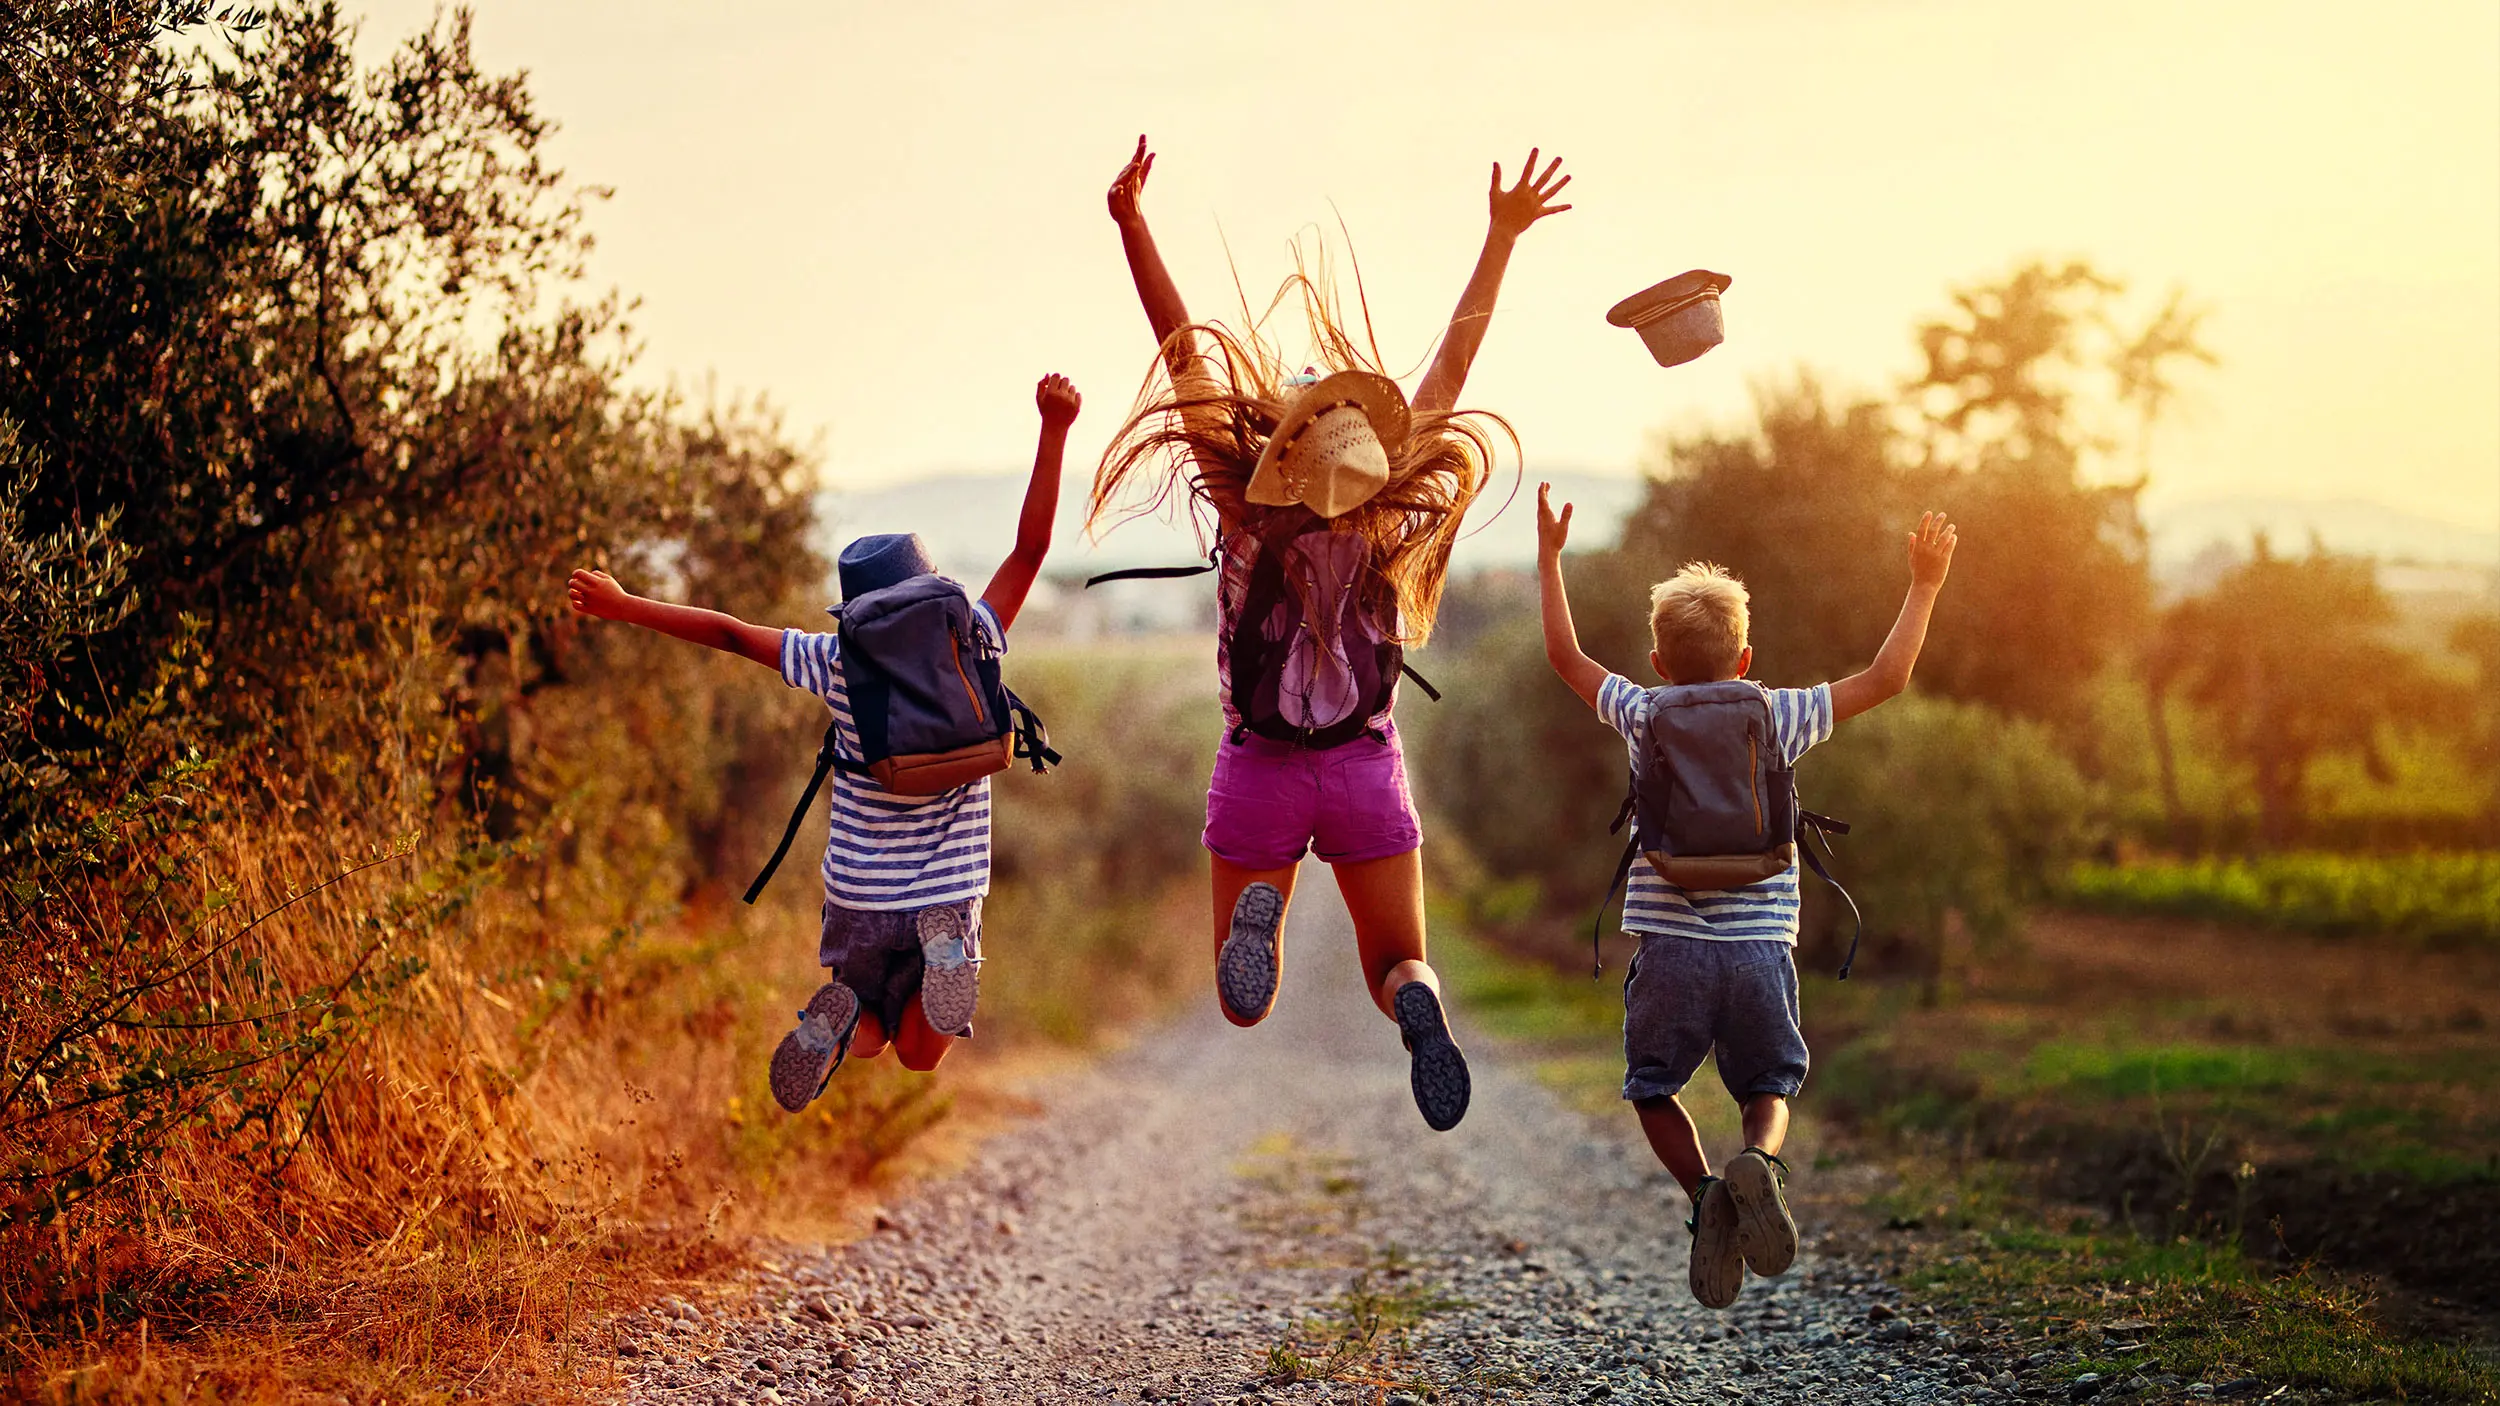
883	559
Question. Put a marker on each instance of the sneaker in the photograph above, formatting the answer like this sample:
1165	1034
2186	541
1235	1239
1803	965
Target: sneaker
1769	1233
1245	970
1718	1262
1439	1075
950	970
808	1055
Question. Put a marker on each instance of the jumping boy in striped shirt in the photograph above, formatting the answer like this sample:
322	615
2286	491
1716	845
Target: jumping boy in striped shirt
1715	968
904	875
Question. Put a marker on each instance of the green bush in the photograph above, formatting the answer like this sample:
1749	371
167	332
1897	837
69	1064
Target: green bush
1959	815
2432	899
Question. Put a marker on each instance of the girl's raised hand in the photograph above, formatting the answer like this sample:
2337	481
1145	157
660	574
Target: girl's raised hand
1130	184
1525	203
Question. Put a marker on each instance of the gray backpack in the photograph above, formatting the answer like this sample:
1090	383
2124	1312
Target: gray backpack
1713	804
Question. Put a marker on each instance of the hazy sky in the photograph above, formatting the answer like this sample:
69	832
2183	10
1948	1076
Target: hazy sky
890	220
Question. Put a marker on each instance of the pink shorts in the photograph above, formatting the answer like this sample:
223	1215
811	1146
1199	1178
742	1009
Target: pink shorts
1270	801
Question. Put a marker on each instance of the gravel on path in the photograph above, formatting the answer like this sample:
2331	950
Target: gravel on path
1212	1213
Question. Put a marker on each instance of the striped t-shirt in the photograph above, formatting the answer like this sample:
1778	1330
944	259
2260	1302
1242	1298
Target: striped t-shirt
1800	717
888	852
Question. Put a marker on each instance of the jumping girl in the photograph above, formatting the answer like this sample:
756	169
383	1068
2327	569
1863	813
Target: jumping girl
1335	506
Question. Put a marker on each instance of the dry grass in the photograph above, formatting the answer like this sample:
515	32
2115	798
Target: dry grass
561	1110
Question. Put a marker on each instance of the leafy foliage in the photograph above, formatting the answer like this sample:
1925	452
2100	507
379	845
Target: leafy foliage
1961	817
2430	898
2289	660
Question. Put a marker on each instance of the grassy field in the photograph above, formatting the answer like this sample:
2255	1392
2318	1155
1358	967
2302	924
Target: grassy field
2434	900
2108	1132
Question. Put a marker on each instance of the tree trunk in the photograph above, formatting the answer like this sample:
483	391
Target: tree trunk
2157	712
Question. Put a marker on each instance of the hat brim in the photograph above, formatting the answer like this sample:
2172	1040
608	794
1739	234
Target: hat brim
1378	397
1660	299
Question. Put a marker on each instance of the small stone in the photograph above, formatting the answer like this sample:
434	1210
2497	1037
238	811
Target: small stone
817	1309
1403	1399
911	1320
1879	1312
2084	1388
2239	1386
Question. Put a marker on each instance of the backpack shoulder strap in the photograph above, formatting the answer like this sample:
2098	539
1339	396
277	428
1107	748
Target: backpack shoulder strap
1623	872
1810	827
1158	573
828	757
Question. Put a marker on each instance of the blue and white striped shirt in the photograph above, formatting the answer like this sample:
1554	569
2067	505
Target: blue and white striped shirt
1800	717
888	852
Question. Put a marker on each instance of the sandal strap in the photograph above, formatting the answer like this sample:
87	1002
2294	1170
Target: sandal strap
1773	1158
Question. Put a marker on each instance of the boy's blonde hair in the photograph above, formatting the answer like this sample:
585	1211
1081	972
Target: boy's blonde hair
1697	618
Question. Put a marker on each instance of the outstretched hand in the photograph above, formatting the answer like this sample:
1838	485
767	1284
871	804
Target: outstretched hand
1130	184
1058	401
1931	550
595	593
1551	530
1526	203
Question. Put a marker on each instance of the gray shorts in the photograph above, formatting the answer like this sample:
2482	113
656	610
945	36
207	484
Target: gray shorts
1686	995
876	953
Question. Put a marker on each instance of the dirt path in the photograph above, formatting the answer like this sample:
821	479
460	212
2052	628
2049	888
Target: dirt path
1193	1208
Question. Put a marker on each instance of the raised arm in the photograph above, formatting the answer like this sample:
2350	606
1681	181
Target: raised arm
1164	310
1562	641
596	593
1058	402
1513	210
1931	556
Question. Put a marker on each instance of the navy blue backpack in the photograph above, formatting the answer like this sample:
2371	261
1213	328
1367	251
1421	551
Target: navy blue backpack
926	698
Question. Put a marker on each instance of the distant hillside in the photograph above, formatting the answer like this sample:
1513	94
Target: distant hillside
2184	531
969	521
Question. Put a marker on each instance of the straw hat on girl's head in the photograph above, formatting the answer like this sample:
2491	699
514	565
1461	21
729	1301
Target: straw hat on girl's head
1331	450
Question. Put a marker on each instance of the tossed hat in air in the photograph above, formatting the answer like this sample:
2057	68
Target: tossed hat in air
1678	319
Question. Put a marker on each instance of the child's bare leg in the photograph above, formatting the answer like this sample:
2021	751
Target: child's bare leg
1766	1122
1386	899
918	1044
1228	880
868	1041
1677	1142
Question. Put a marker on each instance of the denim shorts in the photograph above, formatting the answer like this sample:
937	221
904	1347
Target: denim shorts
876	953
1270	801
1686	996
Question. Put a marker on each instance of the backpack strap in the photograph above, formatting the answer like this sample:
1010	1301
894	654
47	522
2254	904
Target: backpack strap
1811	826
1623	871
828	757
1156	573
1032	739
1420	681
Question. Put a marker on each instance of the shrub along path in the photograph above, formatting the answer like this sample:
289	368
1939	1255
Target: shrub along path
1217	1216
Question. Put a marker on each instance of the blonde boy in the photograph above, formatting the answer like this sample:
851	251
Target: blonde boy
1715	968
